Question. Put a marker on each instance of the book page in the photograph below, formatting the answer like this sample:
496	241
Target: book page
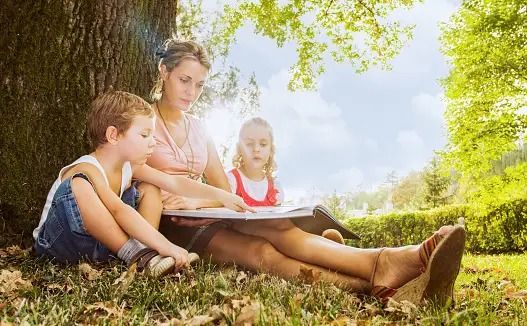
265	212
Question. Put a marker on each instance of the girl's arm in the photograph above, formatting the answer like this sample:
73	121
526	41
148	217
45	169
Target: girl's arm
183	186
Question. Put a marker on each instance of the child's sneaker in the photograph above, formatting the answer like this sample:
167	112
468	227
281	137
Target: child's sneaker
333	235
150	262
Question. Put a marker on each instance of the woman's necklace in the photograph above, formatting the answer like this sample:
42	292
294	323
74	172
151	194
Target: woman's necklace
189	163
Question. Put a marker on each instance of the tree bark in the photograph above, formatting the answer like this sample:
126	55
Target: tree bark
57	55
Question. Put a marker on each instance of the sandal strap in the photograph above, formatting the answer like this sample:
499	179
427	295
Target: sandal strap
372	277
143	257
427	247
383	293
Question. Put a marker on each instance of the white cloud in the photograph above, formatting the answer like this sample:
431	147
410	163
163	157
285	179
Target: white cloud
429	105
303	118
409	140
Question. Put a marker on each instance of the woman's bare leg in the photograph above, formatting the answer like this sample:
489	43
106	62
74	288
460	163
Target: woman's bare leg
257	254
396	266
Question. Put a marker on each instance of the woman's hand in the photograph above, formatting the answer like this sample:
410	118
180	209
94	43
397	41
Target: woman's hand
180	202
234	202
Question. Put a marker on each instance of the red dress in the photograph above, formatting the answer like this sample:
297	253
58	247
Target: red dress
269	200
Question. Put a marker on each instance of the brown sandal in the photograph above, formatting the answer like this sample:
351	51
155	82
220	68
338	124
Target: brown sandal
441	259
149	261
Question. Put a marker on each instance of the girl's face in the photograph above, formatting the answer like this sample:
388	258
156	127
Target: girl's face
184	84
137	143
255	146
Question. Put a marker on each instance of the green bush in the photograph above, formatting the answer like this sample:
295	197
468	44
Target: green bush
502	230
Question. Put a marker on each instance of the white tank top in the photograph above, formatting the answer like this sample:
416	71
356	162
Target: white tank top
126	178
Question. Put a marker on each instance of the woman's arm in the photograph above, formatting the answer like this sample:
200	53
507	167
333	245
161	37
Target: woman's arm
214	171
215	176
181	185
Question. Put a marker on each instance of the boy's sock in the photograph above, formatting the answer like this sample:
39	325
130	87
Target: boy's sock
129	250
149	259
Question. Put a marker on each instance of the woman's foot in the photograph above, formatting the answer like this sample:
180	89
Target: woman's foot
397	266
420	272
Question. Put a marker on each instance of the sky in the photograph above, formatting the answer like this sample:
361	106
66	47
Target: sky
355	128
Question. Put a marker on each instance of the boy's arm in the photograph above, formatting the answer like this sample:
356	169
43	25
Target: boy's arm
127	217
183	186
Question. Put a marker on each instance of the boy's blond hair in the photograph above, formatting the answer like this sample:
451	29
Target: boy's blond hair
114	108
270	165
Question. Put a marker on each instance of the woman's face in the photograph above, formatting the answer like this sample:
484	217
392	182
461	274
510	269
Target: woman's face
184	84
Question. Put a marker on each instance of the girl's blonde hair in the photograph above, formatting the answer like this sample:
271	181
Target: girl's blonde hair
172	53
270	166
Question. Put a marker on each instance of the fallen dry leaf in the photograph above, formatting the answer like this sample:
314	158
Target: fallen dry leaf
249	315
344	321
199	320
240	277
15	251
522	294
12	281
59	287
110	307
124	281
237	304
404	307
309	275
371	309
89	272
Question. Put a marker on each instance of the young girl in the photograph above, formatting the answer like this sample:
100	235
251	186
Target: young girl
254	165
252	177
183	147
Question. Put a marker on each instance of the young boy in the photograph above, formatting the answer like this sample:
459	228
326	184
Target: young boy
90	209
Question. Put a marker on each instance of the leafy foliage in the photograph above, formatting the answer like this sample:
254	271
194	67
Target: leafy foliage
436	184
358	32
486	88
503	229
226	87
409	193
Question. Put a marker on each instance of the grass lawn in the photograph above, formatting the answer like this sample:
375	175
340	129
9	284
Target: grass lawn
489	291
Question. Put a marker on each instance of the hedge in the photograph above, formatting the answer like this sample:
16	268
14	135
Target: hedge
502	230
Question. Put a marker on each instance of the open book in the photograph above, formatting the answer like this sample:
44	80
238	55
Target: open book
312	219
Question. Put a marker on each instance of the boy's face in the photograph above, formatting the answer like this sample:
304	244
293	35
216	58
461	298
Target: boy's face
255	146
137	143
184	84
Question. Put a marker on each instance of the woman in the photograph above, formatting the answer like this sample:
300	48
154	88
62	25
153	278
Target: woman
413	273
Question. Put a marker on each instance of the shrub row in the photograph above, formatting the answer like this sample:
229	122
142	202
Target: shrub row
502	230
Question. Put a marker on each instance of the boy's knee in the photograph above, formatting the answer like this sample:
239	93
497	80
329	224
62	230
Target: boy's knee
148	189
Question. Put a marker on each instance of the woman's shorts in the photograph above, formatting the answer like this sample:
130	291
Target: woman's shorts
193	239
63	236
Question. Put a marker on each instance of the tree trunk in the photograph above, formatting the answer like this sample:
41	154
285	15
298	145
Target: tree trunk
56	57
